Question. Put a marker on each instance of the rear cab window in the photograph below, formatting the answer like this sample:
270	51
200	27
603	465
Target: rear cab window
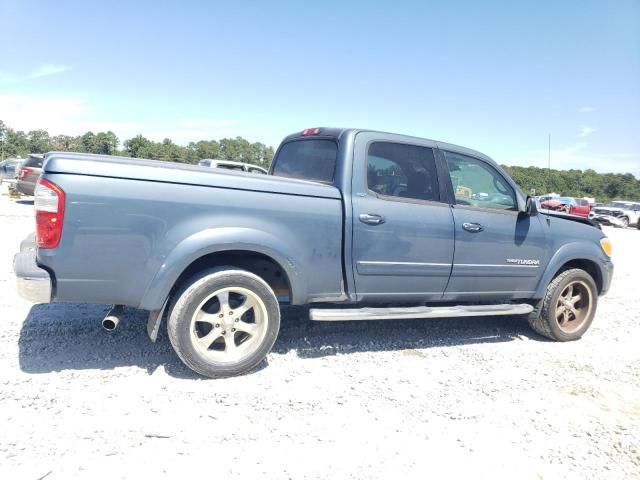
33	162
309	159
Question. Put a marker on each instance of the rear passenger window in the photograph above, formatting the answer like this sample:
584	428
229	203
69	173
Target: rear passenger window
404	171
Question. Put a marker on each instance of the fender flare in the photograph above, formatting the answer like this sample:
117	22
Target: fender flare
215	240
571	251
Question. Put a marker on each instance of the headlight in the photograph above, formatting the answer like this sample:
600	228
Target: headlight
607	248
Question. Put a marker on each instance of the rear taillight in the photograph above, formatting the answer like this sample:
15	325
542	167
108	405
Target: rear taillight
49	205
25	171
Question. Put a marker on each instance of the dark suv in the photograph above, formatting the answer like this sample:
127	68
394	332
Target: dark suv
28	173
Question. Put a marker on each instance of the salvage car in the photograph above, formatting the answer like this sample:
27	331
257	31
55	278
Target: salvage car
617	213
573	206
8	168
28	173
230	165
356	224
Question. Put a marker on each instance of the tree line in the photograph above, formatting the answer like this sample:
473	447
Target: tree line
16	143
577	183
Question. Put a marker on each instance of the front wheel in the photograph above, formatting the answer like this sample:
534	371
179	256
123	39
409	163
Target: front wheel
224	322
568	307
625	222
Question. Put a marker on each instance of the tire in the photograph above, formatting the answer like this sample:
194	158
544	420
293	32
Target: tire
553	319
625	222
209	337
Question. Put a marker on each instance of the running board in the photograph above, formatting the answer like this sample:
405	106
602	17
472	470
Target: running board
403	313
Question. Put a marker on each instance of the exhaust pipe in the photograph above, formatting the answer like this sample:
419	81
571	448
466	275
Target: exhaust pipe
112	319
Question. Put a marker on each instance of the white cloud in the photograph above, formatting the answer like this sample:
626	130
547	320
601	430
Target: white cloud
41	71
46	70
57	115
72	116
212	123
7	77
586	131
586	109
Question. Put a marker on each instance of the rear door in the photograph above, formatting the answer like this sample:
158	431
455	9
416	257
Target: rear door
402	246
499	252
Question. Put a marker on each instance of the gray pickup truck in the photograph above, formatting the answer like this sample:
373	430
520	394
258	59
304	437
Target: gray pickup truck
362	225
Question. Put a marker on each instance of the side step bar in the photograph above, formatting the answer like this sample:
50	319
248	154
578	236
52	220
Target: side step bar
403	313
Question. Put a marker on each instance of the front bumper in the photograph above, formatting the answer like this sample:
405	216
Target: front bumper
607	220
607	276
34	283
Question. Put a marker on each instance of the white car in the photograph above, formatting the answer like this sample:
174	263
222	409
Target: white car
619	213
229	165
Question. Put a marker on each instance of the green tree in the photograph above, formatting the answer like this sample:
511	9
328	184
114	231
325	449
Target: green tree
38	141
3	139
206	149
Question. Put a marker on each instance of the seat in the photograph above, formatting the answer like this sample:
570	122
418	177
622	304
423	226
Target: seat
419	187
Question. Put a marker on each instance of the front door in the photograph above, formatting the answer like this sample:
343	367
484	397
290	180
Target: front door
499	252
402	246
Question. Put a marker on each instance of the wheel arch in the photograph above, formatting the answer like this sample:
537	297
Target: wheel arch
239	247
575	255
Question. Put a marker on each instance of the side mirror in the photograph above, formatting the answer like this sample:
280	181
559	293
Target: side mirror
531	207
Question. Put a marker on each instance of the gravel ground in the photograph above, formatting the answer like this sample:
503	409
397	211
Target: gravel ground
484	397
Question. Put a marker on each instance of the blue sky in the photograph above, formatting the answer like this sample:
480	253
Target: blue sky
494	76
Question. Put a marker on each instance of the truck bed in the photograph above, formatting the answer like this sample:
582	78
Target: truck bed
131	226
160	171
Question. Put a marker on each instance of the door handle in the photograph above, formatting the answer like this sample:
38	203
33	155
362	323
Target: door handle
371	218
472	227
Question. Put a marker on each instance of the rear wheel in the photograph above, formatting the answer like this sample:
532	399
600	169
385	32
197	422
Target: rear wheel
224	322
568	308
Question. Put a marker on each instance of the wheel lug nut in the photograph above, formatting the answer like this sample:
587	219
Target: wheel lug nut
221	315
233	329
224	332
217	325
230	313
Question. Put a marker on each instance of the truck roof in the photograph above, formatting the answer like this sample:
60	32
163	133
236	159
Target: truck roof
338	133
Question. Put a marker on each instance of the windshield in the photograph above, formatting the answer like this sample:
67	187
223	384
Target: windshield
620	205
34	162
313	159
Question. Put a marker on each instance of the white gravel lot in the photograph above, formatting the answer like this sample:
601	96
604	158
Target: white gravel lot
484	398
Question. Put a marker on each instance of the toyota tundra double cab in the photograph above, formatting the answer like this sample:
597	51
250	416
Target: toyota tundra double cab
357	224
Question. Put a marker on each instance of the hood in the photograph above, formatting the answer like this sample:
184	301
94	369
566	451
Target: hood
567	216
611	209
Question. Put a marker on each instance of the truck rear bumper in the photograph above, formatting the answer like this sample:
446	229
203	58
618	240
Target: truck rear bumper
33	282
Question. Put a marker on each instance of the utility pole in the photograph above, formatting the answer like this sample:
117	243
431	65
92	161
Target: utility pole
549	155
549	164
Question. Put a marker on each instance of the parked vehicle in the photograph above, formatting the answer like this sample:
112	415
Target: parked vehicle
361	225
618	213
8	168
229	165
570	205
28	173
